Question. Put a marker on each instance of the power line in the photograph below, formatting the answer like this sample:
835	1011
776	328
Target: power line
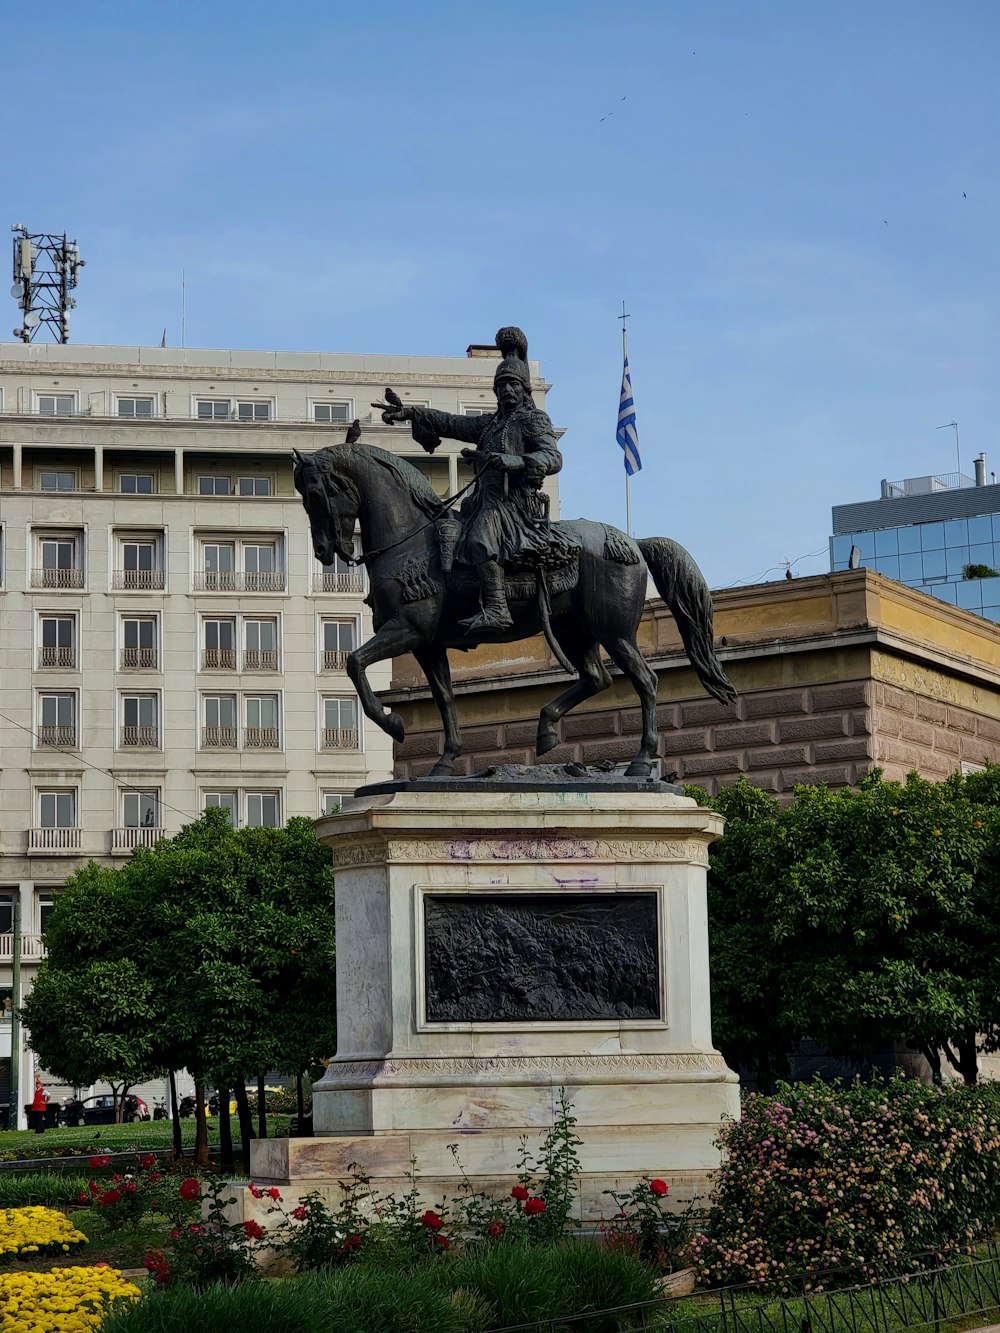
784	564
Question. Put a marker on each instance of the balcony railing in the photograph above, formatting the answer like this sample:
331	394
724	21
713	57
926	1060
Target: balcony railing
260	738
137	658
260	659
143	580
238	580
57	735
218	659
143	735
57	657
340	738
335	659
32	948
53	840
218	738
57	578
127	839
338	582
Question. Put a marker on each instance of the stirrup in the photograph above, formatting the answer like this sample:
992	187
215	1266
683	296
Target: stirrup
487	620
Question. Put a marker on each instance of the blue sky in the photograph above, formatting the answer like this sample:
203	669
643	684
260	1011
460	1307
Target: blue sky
798	200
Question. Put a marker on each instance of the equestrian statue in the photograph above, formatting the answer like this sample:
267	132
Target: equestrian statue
497	571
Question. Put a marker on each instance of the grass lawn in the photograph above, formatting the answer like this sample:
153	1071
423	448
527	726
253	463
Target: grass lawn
142	1137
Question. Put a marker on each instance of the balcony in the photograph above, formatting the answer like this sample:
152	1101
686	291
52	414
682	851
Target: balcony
53	840
57	735
260	738
125	840
218	659
57	657
139	580
133	659
340	738
237	580
218	738
146	736
339	582
32	948
260	659
57	578
335	659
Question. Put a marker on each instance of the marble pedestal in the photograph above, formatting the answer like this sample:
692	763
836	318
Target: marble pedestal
441	1042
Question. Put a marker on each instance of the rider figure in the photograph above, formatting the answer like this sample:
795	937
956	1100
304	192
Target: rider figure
515	450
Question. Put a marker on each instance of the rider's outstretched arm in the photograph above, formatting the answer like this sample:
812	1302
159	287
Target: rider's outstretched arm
430	427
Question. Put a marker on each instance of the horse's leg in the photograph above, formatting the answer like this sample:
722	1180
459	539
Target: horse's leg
625	654
585	656
392	640
434	664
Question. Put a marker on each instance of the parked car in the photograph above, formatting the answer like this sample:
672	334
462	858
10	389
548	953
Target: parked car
100	1110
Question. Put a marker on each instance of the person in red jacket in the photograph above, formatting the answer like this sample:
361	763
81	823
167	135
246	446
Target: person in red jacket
38	1105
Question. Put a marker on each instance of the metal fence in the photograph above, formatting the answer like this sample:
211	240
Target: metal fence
920	1300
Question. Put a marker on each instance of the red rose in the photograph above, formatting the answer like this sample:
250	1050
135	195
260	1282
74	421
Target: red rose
257	1194
190	1189
196	1228
94	1187
496	1227
155	1178
442	1242
82	1196
108	1197
658	1186
274	1193
300	1214
352	1243
98	1163
253	1229
129	1187
534	1206
174	1234
147	1160
432	1221
519	1192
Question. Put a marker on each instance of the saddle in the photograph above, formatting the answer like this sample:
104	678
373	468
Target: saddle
559	559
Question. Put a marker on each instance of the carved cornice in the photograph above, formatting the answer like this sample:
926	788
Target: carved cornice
377	850
522	1068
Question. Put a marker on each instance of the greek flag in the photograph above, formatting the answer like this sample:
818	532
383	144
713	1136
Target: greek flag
627	436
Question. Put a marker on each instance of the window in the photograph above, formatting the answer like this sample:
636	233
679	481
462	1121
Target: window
213	409
59	562
332	412
253	486
139	720
253	411
260	568
219	651
260	639
57	809
215	486
7	911
476	409
262	809
339	577
138	642
330	802
218	730
246	566
220	800
57	480
135	407
140	824
258	559
57	829
340	723
339	639
140	564
57	641
56	404
57	719
137	483
45	905
219	564
260	713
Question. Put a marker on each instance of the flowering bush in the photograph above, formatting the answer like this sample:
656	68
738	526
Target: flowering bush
645	1226
125	1198
212	1249
73	1300
37	1231
870	1177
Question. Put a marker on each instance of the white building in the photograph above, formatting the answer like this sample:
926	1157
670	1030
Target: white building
168	639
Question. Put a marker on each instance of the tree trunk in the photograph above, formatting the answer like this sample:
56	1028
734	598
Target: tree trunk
261	1106
246	1120
968	1058
175	1117
932	1055
300	1105
225	1130
200	1126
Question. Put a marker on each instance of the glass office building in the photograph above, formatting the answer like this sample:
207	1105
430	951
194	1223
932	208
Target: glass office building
927	532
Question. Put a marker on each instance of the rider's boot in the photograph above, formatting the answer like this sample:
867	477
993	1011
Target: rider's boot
495	614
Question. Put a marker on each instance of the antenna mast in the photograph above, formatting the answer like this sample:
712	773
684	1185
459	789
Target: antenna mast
46	269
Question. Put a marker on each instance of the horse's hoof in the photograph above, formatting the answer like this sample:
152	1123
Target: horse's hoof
444	768
639	768
394	726
547	740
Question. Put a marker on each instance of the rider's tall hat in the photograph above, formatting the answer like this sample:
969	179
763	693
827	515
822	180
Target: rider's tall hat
513	347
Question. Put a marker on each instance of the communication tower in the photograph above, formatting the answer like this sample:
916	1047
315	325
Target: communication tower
46	269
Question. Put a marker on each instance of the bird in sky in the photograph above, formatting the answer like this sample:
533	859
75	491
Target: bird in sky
964	195
353	432
393	398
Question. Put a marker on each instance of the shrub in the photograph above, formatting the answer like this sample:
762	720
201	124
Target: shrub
647	1227
874	1176
40	1188
36	1231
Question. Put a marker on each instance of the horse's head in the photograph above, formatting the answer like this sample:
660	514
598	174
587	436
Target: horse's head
332	502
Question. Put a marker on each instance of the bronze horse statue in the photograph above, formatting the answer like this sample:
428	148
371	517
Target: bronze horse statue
594	601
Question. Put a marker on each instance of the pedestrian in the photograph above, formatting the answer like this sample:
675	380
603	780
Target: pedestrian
38	1105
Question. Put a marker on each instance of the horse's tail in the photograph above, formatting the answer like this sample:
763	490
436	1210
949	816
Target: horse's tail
680	583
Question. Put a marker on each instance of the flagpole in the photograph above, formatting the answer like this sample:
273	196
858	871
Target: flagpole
628	494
